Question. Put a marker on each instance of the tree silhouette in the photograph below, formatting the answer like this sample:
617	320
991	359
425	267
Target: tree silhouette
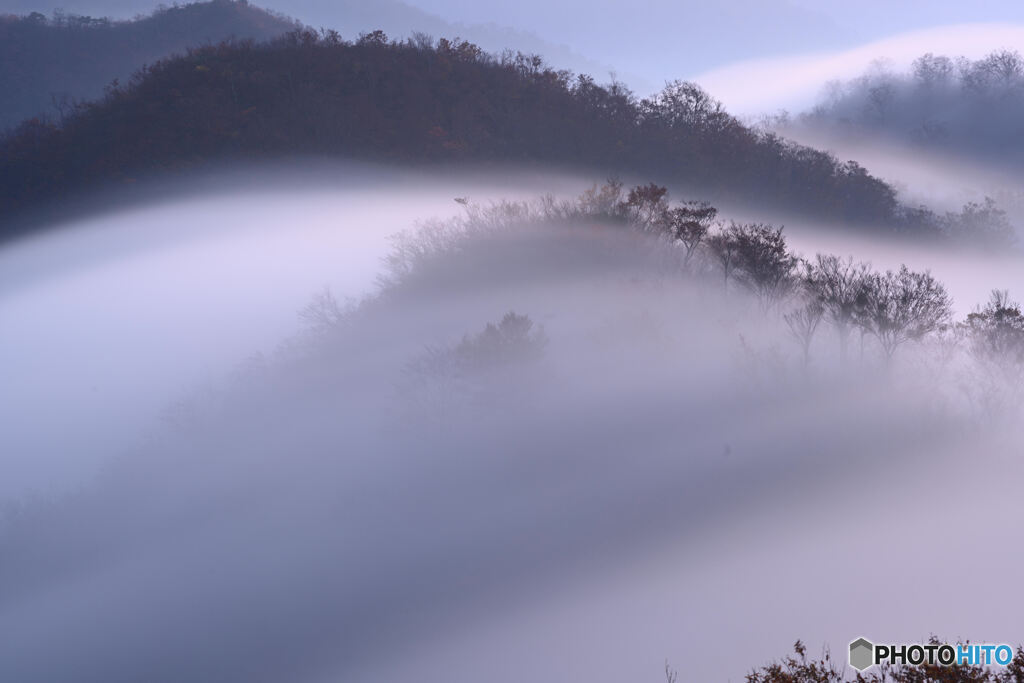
839	286
689	224
902	306
313	93
803	323
755	255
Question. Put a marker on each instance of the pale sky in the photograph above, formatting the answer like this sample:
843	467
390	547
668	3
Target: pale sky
644	42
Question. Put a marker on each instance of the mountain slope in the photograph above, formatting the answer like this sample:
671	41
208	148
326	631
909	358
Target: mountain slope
46	64
313	94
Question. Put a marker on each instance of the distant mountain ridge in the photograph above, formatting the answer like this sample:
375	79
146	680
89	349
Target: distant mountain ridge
46	64
352	17
972	109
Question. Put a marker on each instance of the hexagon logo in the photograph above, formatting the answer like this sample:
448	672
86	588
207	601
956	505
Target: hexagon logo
861	654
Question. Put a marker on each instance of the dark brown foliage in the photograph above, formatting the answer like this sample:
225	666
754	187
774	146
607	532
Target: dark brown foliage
312	93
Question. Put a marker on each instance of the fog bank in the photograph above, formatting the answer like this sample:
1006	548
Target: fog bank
541	450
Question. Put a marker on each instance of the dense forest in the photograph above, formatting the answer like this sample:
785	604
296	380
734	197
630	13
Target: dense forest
312	93
968	107
47	64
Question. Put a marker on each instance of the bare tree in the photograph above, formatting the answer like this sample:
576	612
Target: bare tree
839	286
646	206
324	313
602	201
1005	68
765	265
931	71
682	104
995	341
724	248
756	256
902	306
689	224
997	330
803	323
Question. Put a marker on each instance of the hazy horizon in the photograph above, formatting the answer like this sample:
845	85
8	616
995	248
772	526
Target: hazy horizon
644	45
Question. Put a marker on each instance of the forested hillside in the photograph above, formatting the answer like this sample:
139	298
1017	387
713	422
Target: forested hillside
46	64
316	94
971	108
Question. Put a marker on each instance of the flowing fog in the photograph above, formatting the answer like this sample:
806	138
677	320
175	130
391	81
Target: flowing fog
942	181
537	450
794	82
109	320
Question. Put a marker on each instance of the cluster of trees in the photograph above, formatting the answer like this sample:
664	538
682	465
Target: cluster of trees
994	337
981	224
419	99
882	311
997	330
971	107
47	64
514	340
893	307
445	376
798	668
